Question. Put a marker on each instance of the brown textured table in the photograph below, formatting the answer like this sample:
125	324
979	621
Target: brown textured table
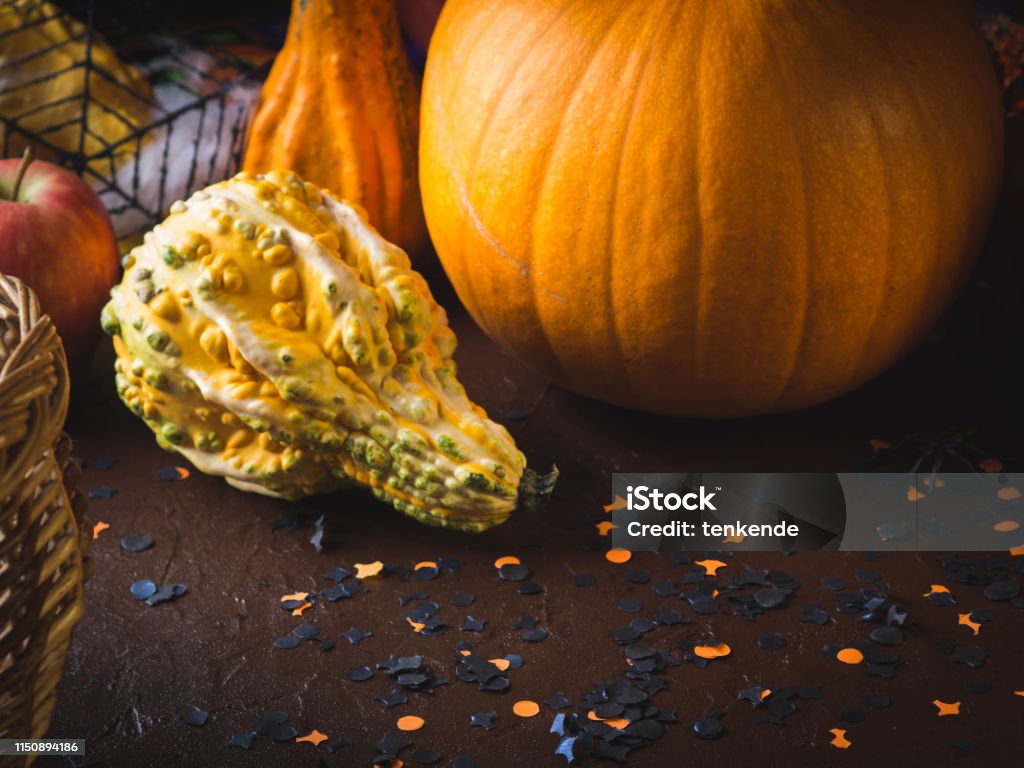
133	670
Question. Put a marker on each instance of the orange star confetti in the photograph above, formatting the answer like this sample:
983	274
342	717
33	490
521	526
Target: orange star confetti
711	567
733	539
990	465
424	564
965	620
840	741
947	708
913	494
364	570
936	589
526	708
464	652
410	723
416	626
294	596
604	526
298	611
850	656
619	503
314	738
618	556
501	664
1008	493
712	651
99	528
507	560
1006	526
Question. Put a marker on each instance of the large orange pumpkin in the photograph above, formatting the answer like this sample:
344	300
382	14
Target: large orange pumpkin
341	108
708	207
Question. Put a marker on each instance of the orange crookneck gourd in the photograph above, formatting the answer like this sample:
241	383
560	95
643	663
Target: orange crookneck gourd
708	208
341	108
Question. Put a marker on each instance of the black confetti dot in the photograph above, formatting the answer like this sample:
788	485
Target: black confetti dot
772	641
639	576
770	598
106	492
287	643
887	635
427	756
708	728
833	583
529	588
515	661
242	740
514	572
535	635
137	542
464	761
877	700
143	589
195	716
282	733
583	579
306	632
393	699
168	474
463	599
867	575
631	606
1003	589
668	617
358	674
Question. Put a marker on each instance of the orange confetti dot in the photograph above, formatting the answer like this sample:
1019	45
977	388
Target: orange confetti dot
850	656
501	664
1017	551
314	738
416	626
878	446
526	708
711	567
913	494
840	741
604	526
619	503
1006	526
424	564
712	651
947	708
1018	693
618	556
298	611
1009	493
294	596
364	570
936	589
965	620
991	465
410	723
507	560
99	528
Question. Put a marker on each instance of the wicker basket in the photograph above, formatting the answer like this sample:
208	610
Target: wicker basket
43	536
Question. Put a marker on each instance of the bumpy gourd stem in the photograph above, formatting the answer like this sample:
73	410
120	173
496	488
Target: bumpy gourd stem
26	160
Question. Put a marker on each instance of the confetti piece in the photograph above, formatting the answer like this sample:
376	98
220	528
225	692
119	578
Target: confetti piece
170	474
936	589
711	567
840	741
913	494
619	503
1006	526
1009	493
618	556
712	651
877	446
526	708
300	596
298	611
604	527
416	626
965	619
502	664
618	723
947	708
507	560
734	539
990	465
410	723
850	656
1018	693
1017	551
939	482
99	528
365	570
424	564
314	737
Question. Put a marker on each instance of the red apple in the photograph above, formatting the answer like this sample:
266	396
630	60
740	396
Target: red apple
56	235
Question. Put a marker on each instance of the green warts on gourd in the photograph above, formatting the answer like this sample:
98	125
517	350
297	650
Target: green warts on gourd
268	333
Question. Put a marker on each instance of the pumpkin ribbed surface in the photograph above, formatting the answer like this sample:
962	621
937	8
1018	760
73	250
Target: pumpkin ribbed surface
708	208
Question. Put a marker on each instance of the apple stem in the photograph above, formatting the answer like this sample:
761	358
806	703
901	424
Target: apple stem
26	160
